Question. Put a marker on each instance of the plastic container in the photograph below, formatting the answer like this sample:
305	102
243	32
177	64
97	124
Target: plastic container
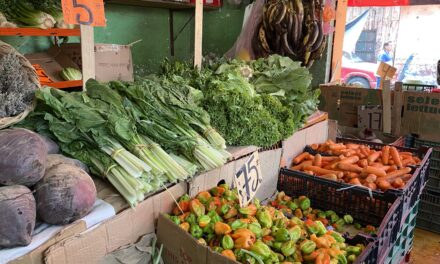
429	211
434	171
383	210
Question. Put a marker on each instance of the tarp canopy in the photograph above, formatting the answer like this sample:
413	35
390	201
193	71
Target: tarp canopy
392	2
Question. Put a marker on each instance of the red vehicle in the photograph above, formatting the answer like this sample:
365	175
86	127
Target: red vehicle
356	71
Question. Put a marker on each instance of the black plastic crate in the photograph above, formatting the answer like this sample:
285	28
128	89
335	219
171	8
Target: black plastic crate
429	211
411	192
369	254
432	144
383	210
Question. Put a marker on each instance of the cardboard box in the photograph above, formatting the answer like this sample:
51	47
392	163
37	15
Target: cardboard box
180	247
269	164
341	102
112	62
353	132
125	228
52	62
370	116
421	115
294	145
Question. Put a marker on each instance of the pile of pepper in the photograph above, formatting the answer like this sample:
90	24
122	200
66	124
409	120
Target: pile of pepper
301	208
259	234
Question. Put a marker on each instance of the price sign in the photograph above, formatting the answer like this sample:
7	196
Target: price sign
248	179
84	12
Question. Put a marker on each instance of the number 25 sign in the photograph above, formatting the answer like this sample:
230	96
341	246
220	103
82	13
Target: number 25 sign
84	12
248	179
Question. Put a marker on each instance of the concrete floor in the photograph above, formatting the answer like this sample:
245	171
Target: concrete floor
426	248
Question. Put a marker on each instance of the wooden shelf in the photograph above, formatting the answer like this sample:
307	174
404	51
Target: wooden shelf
66	84
57	32
161	4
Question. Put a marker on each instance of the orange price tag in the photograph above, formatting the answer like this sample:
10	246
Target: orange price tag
84	12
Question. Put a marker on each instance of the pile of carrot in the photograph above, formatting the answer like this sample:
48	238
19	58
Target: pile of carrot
358	165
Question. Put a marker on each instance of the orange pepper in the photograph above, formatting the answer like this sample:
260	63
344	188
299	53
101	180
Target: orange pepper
203	196
229	254
184	226
197	207
183	217
222	228
243	238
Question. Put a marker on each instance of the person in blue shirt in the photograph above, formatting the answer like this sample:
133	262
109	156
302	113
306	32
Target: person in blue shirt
384	56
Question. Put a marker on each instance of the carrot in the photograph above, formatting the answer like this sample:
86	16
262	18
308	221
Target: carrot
383	185
373	170
365	151
374	156
322	171
300	157
349	167
371	185
309	172
406	153
371	178
406	177
385	154
302	165
317	161
398	183
337	147
350	160
417	160
392	175
351	175
392	168
329	158
363	163
391	162
408	161
332	177
314	146
352	146
355	181
396	157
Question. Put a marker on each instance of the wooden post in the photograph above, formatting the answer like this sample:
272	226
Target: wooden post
397	109
338	41
386	106
198	36
87	53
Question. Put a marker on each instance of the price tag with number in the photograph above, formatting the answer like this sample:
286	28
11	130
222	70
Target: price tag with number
84	12
248	179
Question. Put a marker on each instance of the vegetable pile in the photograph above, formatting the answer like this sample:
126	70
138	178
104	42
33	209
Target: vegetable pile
42	14
139	136
259	234
252	103
358	165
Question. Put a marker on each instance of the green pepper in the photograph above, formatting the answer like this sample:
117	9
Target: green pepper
341	259
348	219
340	224
292	205
230	195
281	257
218	249
304	203
257	203
329	213
175	220
196	231
321	214
334	218
224	186
237	224
357	226
288	248
282	235
297	221
261	249
307	246
351	258
337	237
191	219
274	229
311	226
204	220
184	198
225	208
321	228
202	241
280	223
210	237
256	229
354	250
265	231
227	242
239	254
295	233
264	218
209	229
214	216
277	246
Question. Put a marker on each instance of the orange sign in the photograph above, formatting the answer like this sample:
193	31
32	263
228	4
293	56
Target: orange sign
84	12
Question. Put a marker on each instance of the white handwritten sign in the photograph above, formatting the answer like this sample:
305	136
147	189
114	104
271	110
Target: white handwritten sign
248	179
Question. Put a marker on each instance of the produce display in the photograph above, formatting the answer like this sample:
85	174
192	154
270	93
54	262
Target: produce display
42	14
58	190
252	103
71	74
292	28
358	165
16	89
260	234
139	136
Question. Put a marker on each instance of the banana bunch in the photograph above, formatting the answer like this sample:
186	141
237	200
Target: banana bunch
292	28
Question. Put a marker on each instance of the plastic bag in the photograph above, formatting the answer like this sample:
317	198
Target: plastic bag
243	45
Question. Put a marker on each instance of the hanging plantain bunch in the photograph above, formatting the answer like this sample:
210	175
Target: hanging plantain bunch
292	28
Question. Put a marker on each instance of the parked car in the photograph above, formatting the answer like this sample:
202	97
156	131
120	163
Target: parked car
358	72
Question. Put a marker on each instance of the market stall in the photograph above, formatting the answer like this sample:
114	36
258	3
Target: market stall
111	154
